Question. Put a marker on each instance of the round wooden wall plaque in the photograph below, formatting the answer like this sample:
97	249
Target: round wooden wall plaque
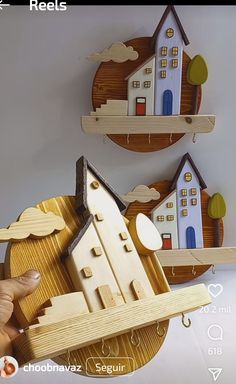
109	83
182	274
45	255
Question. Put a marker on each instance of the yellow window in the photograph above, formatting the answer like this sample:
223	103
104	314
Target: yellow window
170	217
163	63
163	51
136	84
188	176
175	51
184	212
170	32
194	201
193	191
163	74
175	63
184	202
184	192
160	218
169	205
148	70
147	84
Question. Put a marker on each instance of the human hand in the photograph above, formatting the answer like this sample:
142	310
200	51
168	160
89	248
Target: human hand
10	290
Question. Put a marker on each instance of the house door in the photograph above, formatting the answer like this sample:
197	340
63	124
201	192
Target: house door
167	102
190	237
166	241
140	106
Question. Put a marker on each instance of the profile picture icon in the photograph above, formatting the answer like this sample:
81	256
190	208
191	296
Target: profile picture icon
8	367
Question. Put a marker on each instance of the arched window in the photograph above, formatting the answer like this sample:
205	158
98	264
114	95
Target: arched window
170	32
188	176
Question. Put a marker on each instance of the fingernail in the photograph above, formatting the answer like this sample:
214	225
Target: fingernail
32	274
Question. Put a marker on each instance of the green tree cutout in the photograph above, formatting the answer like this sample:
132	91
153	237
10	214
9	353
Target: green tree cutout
217	210
197	74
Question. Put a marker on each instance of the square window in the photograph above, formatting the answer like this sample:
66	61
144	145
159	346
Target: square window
175	63
136	84
147	84
163	74
163	51
184	212
193	201
175	51
184	202
148	70
184	192
193	191
163	63
170	218
169	205
160	218
87	272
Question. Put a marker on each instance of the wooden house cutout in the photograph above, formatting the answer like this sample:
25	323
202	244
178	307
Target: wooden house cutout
179	216
148	95
104	261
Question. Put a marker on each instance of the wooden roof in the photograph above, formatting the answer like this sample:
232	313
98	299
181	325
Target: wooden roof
82	165
162	201
185	158
140	66
169	8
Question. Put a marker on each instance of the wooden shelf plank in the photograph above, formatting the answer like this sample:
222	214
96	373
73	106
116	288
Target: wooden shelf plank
198	256
46	341
148	124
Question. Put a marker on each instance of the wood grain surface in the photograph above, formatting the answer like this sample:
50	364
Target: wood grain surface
182	273
109	83
44	255
46	340
148	124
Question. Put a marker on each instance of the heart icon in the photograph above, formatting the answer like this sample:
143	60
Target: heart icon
215	289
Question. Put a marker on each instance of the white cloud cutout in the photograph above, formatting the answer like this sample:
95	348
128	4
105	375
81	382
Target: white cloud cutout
118	52
142	194
32	222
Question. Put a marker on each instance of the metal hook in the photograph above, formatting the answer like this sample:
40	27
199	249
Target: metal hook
149	138
213	269
127	138
170	139
194	138
107	347
136	342
172	271
186	325
160	334
193	271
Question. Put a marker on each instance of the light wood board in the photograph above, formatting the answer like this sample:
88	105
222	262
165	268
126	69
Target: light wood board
182	274
32	223
109	83
196	257
130	125
44	255
41	342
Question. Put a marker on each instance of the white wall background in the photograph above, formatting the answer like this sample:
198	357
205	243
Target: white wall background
45	86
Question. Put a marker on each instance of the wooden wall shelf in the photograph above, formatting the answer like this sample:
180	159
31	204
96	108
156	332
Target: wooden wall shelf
103	125
198	256
44	341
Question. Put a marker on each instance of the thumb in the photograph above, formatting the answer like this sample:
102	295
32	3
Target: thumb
15	289
20	286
